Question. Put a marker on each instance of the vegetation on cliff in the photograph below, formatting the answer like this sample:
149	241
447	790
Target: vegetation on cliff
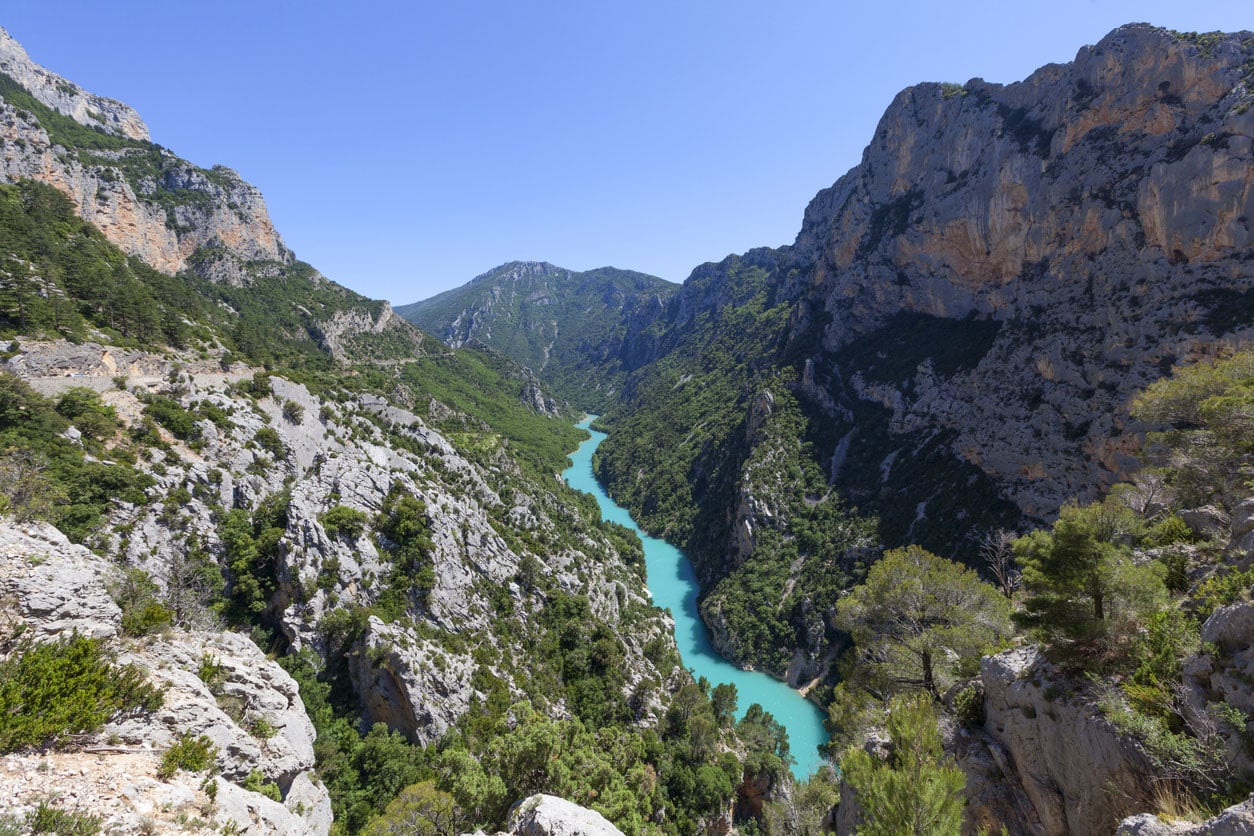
1116	590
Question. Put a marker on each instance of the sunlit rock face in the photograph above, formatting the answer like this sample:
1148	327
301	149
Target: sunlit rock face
147	201
1098	210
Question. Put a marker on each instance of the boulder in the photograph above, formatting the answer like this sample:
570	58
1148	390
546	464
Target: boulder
1207	521
548	815
1235	821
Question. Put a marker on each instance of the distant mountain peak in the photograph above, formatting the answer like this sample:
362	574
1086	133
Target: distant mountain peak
570	327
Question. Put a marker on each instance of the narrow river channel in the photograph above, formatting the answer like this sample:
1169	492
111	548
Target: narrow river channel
673	585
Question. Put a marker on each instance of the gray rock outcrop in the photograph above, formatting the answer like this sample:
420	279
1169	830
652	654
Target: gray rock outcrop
412	686
1080	775
1224	674
251	712
548	815
66	97
1237	820
55	587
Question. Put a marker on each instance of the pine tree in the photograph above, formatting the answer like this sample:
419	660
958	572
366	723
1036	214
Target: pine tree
917	615
1081	582
918	789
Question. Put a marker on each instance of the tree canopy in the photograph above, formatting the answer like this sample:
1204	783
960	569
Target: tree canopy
1081	581
918	616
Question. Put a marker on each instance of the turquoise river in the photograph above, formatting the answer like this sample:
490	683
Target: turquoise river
673	585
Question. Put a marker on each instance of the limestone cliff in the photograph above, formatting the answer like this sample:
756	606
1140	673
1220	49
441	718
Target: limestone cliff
66	97
145	199
965	315
1094	214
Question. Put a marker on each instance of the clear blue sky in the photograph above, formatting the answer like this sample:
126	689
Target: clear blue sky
405	147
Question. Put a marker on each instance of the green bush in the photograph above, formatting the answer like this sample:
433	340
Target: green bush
1222	590
342	521
190	754
142	613
293	412
210	670
256	782
918	789
71	686
171	415
969	707
48	819
1168	532
269	440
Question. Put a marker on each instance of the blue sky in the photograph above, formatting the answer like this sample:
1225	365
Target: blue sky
405	147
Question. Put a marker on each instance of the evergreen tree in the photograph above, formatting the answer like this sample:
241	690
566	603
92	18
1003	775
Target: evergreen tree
420	810
1081	582
918	615
918	789
1208	446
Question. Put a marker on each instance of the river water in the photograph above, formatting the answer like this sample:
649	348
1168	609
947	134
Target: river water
674	585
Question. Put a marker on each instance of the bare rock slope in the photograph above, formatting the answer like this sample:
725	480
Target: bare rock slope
52	588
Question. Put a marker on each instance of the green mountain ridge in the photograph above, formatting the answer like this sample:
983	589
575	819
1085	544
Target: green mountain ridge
573	329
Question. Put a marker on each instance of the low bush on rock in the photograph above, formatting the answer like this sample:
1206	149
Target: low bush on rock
66	687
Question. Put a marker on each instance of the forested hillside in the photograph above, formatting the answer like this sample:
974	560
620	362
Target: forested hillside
580	332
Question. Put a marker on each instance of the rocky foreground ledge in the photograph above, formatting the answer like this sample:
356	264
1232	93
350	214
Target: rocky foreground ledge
54	588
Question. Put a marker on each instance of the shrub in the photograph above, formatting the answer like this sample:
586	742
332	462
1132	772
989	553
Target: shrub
171	415
210	670
969	707
1222	590
152	617
1168	532
48	819
269	440
190	754
259	387
71	686
293	412
142	613
342	521
256	782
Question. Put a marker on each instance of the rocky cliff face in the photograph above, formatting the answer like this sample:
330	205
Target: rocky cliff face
51	588
66	97
146	200
1096	213
1080	775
